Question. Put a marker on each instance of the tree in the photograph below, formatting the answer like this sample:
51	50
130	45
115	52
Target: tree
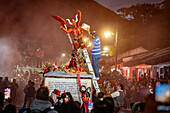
141	13
148	26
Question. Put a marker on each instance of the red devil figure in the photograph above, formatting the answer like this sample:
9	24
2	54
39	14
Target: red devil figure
76	30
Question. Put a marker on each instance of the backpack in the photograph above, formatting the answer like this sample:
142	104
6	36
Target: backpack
38	111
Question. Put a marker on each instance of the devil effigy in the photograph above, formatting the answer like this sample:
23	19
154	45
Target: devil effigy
77	32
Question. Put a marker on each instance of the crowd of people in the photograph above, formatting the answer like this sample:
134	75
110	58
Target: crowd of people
45	104
30	96
16	83
133	90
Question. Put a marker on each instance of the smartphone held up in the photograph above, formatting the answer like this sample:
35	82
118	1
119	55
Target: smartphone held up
7	93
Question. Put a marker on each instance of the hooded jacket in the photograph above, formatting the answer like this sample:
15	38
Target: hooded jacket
41	105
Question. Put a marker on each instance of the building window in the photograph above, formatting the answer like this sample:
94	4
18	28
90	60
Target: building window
161	70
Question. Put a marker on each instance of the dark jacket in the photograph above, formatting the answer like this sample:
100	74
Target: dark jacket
31	91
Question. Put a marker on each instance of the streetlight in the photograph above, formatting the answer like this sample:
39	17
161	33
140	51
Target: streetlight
63	54
108	34
105	48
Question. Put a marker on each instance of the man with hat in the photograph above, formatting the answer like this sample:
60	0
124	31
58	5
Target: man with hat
96	53
54	97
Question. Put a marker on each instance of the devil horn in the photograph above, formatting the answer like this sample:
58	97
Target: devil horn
69	21
76	18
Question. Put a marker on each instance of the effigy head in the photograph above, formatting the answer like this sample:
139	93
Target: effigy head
72	21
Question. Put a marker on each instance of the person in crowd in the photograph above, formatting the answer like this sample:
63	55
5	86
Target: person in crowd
6	83
149	105
105	106
41	103
94	95
10	108
30	94
39	54
136	94
118	97
133	91
96	53
54	97
20	94
101	107
128	96
144	91
14	87
98	98
26	91
110	104
85	99
67	97
1	102
1	84
69	105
